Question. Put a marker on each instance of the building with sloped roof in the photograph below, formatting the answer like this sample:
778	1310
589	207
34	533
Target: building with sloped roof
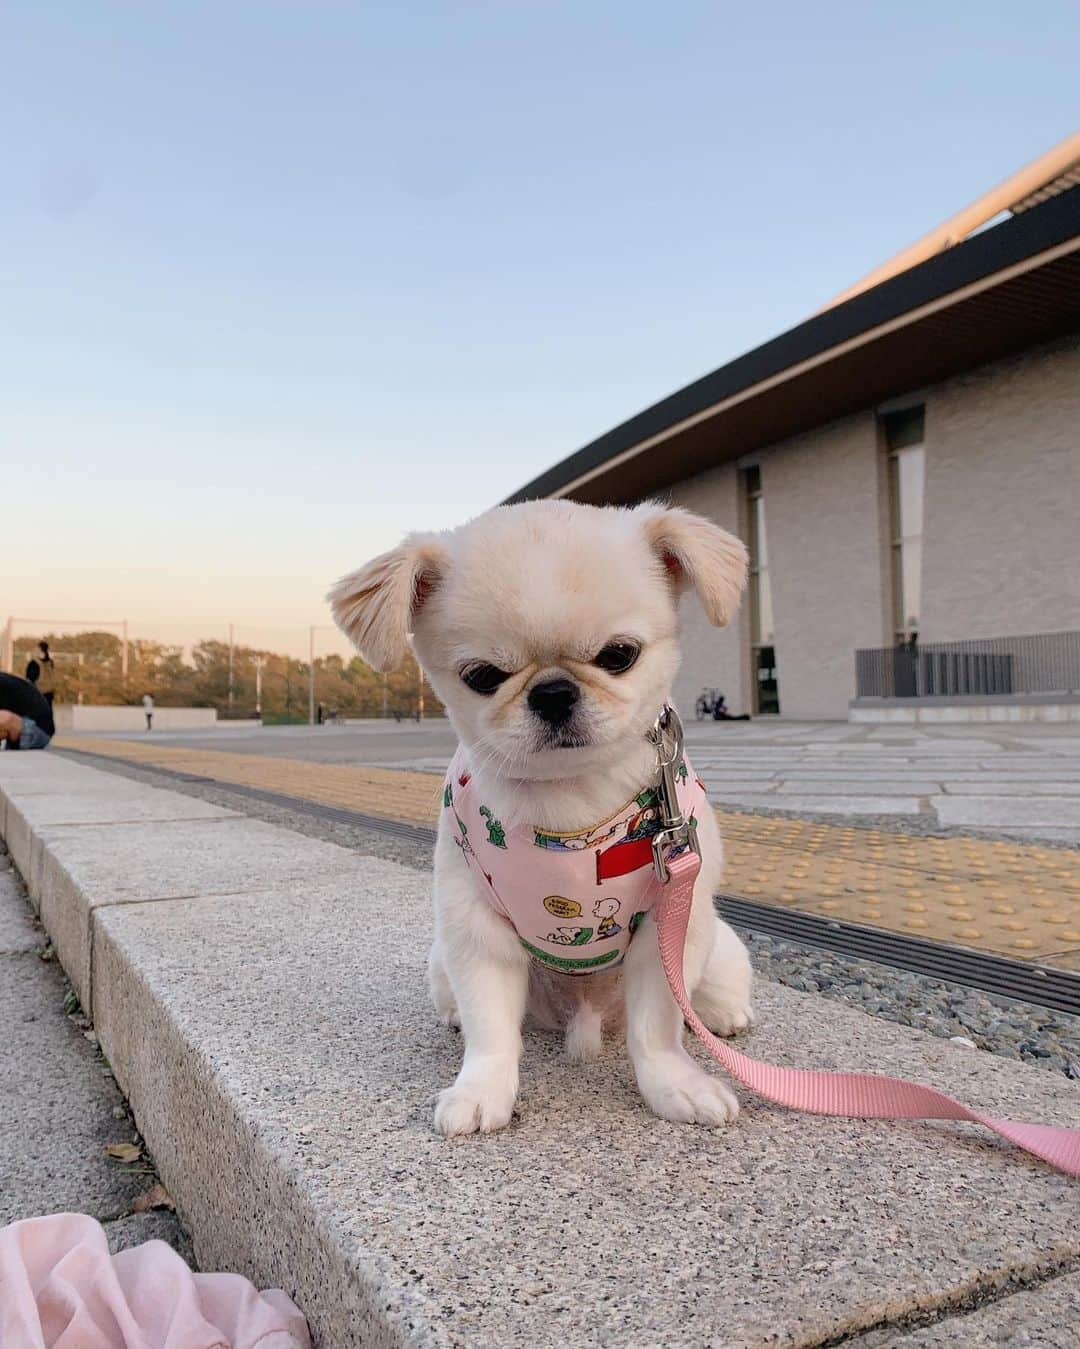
905	469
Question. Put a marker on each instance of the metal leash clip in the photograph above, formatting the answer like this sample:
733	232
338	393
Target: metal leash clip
675	831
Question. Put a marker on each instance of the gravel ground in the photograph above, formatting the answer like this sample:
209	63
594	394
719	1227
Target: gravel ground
1015	1030
62	1118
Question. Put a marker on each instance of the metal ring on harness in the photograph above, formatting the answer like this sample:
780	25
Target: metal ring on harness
675	831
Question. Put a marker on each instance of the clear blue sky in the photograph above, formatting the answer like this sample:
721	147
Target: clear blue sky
281	281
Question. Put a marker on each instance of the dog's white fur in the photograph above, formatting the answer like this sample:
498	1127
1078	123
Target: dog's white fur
537	590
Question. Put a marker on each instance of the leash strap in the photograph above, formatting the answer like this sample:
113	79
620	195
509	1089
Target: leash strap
859	1095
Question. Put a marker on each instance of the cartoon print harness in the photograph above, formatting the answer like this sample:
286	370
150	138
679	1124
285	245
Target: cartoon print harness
574	899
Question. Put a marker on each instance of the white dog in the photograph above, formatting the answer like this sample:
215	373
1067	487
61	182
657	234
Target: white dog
549	631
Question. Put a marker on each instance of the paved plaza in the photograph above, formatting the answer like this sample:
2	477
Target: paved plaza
929	834
1022	781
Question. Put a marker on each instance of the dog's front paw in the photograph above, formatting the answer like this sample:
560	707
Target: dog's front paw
473	1106
684	1093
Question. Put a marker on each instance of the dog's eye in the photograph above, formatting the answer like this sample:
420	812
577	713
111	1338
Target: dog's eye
617	657
484	678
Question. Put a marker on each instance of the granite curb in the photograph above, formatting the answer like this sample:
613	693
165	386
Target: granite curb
260	997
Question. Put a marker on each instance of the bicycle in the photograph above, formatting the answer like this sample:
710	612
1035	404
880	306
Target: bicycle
706	703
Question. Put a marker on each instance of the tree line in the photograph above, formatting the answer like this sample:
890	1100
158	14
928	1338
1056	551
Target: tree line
89	669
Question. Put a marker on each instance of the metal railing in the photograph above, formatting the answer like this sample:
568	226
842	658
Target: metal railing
1043	663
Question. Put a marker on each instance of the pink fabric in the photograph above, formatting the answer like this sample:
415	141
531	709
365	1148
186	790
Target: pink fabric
61	1289
574	899
864	1095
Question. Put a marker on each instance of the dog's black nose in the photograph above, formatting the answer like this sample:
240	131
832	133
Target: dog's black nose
554	700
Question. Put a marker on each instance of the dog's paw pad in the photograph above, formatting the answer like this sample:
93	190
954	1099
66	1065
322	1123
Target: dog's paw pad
467	1108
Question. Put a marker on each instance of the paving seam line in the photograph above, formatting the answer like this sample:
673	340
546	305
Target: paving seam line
1025	981
988	1292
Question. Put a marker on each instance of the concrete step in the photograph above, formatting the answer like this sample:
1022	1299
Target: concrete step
261	999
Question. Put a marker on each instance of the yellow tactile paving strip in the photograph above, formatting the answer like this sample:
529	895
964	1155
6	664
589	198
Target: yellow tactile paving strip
1017	900
387	792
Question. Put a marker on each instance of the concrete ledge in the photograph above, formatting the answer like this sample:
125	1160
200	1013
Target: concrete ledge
166	860
1020	707
272	1031
93	717
37	817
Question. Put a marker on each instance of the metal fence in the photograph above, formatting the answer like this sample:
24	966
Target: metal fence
1045	663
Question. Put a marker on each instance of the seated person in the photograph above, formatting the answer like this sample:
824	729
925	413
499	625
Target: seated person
26	719
721	713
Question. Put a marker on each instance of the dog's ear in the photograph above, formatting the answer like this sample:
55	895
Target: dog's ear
375	606
697	553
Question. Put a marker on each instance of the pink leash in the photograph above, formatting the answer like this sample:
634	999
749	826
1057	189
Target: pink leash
862	1095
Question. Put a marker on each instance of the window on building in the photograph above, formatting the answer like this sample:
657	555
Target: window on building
903	433
762	637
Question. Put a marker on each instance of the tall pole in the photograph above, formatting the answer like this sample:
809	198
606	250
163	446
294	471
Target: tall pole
258	687
311	677
231	647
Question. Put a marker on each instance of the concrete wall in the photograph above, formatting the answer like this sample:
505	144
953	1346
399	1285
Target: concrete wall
976	710
1001	541
823	519
87	717
713	657
1001	549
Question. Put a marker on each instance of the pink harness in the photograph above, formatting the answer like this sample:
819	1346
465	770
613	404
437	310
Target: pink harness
575	901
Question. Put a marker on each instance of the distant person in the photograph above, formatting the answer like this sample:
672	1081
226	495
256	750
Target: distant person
319	715
46	680
720	711
148	708
26	719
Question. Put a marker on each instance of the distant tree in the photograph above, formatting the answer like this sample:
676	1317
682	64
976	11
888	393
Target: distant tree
350	687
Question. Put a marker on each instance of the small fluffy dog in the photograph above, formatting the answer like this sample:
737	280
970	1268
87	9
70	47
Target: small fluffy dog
549	631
